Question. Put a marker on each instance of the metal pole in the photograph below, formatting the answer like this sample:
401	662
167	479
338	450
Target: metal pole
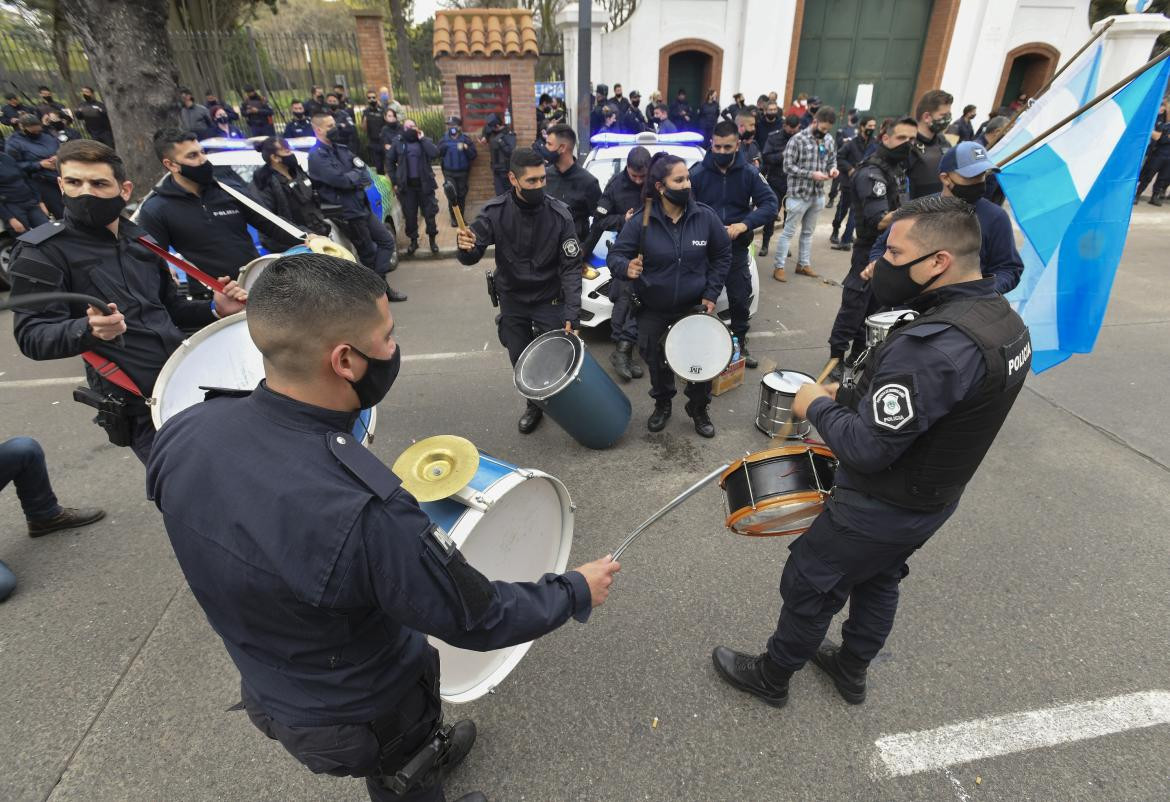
690	491
584	90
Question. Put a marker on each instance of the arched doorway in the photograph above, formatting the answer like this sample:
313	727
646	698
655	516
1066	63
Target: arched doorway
1026	70
691	64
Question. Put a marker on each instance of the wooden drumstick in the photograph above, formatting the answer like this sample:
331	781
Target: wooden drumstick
786	429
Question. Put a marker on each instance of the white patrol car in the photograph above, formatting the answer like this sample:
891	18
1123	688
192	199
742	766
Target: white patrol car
607	159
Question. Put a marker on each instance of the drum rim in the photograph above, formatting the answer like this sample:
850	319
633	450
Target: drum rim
734	518
569	377
890	316
726	331
779	451
764	379
179	354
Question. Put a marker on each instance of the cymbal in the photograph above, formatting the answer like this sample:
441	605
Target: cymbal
437	467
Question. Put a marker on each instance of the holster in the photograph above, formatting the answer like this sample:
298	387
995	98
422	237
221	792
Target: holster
493	296
114	414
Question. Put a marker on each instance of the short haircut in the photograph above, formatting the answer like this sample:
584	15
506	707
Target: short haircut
995	123
249	88
523	158
545	96
563	131
931	102
44	89
826	115
970	107
321	115
85	86
296	102
944	224
890	123
307	301
638	159
270	145
792	121
90	151
724	128
745	114
334	96
166	139
662	108
762	99
10	96
28	119
617	86
185	91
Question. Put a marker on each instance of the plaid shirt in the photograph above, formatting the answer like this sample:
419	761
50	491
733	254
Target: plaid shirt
805	155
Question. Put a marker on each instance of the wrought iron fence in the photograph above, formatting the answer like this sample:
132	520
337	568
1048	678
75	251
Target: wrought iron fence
27	61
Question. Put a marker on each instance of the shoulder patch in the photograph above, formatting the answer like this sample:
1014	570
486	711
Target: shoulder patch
497	200
560	207
924	330
362	464
879	189
893	405
358	162
571	248
223	392
42	233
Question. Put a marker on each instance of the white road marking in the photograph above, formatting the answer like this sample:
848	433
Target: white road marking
20	384
929	750
959	790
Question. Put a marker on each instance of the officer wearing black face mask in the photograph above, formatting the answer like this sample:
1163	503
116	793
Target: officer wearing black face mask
538	261
257	113
92	112
319	572
909	438
285	189
190	211
633	121
95	252
878	188
299	125
933	115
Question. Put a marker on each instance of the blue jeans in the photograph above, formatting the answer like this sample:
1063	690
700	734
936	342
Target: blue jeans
803	213
22	461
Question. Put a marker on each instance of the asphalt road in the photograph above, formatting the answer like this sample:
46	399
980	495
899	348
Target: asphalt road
1047	588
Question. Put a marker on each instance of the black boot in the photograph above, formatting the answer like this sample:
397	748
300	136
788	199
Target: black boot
764	247
657	421
460	739
434	244
834	238
412	247
635	369
394	296
748	360
620	359
67	518
530	419
846	671
703	424
1155	200
757	675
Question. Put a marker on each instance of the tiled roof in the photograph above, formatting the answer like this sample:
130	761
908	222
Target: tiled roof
485	32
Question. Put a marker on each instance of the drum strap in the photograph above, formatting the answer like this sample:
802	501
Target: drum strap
111	373
182	264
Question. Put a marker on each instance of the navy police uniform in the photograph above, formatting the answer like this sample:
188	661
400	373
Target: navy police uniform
408	164
909	437
877	188
71	257
740	195
619	196
341	179
456	163
683	263
922	170
298	127
578	189
325	585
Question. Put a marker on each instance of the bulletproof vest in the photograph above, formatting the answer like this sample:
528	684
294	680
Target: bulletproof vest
933	472
894	179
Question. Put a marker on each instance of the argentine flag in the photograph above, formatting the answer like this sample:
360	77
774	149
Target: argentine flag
1075	87
1072	196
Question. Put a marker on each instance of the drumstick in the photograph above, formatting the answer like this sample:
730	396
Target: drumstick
452	201
182	264
690	491
786	429
646	206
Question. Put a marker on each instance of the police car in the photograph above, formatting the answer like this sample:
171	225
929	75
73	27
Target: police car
607	159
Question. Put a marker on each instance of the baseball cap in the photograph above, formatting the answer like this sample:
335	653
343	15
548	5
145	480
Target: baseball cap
602	89
968	159
635	93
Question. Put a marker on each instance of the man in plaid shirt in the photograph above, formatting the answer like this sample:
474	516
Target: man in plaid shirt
810	160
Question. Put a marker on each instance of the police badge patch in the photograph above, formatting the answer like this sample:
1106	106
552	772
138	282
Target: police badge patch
358	162
879	189
571	248
892	406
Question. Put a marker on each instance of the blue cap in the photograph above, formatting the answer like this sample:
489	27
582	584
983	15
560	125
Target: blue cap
968	159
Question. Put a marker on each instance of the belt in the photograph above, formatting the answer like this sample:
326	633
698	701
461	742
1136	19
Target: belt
859	500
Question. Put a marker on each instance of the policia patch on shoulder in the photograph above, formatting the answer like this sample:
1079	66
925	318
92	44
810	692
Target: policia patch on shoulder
893	405
879	189
571	248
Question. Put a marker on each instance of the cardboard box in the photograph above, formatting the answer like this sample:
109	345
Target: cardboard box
729	379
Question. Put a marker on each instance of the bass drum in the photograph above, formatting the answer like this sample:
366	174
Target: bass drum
520	528
698	347
220	355
251	271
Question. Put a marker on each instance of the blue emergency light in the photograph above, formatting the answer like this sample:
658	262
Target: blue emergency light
610	140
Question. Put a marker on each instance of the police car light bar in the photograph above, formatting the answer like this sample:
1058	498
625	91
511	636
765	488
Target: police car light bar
646	138
224	143
301	142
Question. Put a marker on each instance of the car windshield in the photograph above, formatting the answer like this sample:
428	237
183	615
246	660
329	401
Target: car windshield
604	169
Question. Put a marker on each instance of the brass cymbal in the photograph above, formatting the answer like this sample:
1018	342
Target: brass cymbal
437	467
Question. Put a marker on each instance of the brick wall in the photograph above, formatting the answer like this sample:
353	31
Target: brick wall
522	74
934	50
371	41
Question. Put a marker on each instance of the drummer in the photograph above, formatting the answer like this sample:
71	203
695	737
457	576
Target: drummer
677	266
320	573
93	251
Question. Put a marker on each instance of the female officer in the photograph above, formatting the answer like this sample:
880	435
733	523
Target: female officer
676	264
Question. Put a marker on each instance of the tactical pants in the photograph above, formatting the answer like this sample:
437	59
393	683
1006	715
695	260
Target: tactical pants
459	179
623	323
518	324
857	303
375	245
739	291
854	554
844	214
50	195
1157	164
371	750
500	182
29	214
414	200
652	326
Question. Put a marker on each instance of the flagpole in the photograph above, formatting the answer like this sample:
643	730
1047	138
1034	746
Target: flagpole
1101	97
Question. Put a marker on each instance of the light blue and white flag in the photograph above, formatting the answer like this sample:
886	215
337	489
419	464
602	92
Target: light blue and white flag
1075	87
1072	196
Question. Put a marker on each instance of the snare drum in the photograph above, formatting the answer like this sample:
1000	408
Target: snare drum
559	375
877	326
220	355
777	389
520	528
251	271
698	347
779	491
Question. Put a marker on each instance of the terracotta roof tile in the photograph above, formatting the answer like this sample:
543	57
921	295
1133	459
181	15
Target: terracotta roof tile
485	32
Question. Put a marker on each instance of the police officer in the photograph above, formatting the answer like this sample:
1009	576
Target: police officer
538	261
677	265
1157	161
878	188
734	188
92	112
35	152
95	252
620	200
222	127
191	212
321	575
737	105
193	116
596	112
12	109
933	115
257	113
633	121
457	152
409	164
909	437
342	116
341	179
568	182
20	206
299	125
773	169
285	189
850	155
373	120
501	140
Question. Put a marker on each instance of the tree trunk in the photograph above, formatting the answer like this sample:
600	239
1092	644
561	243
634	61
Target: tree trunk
402	53
61	47
130	56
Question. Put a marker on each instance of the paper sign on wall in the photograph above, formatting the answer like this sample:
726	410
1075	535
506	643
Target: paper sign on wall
864	100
